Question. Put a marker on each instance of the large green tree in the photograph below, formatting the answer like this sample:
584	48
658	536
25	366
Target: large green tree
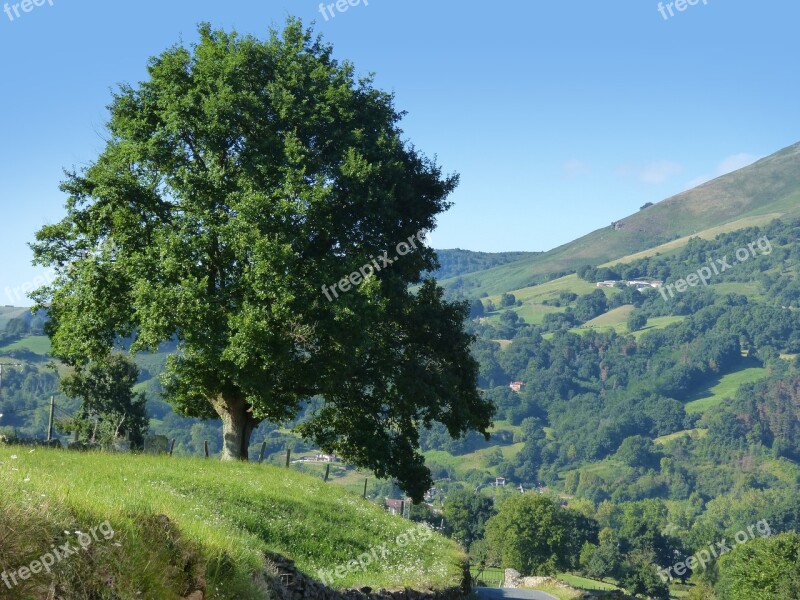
240	182
535	536
465	515
761	569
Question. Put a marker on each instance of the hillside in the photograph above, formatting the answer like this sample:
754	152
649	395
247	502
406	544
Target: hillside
175	526
754	195
456	262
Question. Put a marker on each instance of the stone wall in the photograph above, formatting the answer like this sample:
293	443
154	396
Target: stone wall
512	579
283	581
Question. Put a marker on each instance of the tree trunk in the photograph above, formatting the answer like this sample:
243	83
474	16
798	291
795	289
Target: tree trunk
237	425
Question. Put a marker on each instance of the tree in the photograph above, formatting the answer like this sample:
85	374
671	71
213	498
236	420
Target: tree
465	516
507	300
239	182
493	457
638	451
636	321
641	578
603	560
476	309
763	568
535	536
589	306
110	409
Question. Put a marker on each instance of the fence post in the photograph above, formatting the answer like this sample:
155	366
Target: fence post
365	488
288	457
50	419
261	455
327	471
205	446
172	446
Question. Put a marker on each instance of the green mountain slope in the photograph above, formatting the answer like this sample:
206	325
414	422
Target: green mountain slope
754	195
457	262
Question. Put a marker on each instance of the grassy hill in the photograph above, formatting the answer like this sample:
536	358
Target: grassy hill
725	387
757	194
457	262
181	525
10	312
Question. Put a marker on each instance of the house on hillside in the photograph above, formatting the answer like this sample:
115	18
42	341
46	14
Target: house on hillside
607	284
642	284
327	458
395	507
515	386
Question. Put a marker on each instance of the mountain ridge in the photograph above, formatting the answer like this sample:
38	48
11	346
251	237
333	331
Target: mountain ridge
770	186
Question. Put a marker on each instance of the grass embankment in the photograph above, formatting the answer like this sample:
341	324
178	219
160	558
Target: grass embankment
187	524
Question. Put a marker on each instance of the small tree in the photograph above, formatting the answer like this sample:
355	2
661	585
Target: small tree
476	309
638	451
636	321
110	409
641	578
507	300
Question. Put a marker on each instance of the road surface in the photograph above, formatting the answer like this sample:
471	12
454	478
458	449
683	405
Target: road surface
510	594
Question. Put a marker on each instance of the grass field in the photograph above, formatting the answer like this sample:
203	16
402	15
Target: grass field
725	387
560	592
179	522
695	434
585	583
38	344
491	576
612	320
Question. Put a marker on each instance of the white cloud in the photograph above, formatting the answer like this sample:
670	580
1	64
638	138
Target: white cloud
655	173
576	168
659	172
736	162
728	165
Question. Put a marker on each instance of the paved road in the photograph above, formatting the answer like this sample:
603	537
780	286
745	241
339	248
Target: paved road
510	594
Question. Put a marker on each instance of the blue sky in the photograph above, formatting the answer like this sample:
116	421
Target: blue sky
560	116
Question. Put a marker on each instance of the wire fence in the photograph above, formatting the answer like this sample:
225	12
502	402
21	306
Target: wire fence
487	576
